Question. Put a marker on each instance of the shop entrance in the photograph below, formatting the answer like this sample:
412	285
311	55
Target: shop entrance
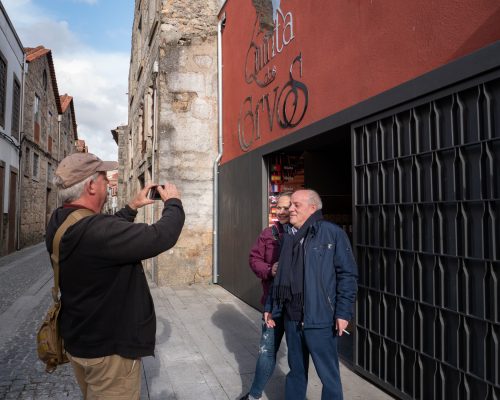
322	163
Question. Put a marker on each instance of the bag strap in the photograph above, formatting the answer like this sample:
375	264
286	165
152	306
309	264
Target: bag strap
72	218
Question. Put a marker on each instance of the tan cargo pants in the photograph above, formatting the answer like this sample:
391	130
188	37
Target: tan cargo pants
110	377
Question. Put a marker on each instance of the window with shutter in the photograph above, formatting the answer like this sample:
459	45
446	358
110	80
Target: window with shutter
3	88
16	108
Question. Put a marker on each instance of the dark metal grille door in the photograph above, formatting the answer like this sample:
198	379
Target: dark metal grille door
427	237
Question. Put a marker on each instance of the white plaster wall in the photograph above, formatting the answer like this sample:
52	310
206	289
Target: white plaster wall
13	53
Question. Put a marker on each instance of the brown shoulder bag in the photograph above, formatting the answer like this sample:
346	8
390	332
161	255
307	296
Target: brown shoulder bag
49	344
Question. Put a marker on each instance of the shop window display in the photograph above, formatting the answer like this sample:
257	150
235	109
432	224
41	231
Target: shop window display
286	175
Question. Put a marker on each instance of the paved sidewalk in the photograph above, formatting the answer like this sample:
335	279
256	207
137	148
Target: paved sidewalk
207	343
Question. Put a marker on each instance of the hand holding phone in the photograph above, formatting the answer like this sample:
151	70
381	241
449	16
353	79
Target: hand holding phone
164	192
154	194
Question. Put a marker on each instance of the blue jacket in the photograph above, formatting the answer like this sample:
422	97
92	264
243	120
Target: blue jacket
330	281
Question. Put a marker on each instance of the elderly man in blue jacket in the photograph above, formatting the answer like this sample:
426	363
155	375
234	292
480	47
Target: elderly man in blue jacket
315	288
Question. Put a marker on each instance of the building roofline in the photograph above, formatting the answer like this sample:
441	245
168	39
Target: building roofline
68	101
35	53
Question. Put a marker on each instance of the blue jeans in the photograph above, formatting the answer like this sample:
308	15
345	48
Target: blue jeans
321	344
270	341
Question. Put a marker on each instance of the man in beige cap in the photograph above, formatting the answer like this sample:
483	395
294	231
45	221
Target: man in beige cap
107	319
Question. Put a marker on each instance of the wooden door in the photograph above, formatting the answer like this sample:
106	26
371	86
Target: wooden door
12	211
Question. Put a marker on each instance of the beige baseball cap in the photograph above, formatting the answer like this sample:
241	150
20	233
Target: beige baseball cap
78	166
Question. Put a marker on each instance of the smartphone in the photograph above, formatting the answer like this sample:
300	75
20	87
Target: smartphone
154	194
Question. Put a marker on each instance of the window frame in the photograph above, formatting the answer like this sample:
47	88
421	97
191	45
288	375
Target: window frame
35	166
3	91
45	80
50	173
27	162
15	128
37	117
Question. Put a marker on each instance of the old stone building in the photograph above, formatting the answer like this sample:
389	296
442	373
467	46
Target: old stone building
172	125
67	134
49	133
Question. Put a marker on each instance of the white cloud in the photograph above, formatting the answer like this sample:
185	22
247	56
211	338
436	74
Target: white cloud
98	85
36	27
86	1
97	80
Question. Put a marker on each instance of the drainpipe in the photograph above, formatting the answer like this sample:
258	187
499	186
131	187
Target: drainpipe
59	121
21	140
220	27
155	121
154	263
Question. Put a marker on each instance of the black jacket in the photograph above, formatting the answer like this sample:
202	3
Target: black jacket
107	307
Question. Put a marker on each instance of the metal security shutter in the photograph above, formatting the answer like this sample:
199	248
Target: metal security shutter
427	237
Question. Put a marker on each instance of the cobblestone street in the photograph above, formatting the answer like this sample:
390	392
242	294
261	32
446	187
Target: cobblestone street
25	282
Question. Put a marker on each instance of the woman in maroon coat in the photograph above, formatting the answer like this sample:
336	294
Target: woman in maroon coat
263	260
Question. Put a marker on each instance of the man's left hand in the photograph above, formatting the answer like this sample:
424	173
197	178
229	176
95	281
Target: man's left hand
340	325
274	269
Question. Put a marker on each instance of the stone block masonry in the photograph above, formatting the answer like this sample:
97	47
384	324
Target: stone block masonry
173	131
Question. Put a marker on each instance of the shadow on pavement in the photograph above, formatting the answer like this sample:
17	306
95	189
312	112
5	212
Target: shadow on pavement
156	383
243	342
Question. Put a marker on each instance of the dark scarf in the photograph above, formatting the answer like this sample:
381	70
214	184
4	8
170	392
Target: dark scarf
289	281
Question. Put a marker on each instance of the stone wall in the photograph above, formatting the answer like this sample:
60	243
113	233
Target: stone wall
264	9
193	19
37	197
173	96
188	148
33	207
68	134
122	139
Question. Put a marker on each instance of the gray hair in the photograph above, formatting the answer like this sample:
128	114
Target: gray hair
67	195
314	199
284	194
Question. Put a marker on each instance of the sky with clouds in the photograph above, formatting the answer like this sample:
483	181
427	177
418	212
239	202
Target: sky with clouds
90	43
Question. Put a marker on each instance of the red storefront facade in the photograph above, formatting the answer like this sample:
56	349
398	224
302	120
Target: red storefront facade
391	111
348	52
